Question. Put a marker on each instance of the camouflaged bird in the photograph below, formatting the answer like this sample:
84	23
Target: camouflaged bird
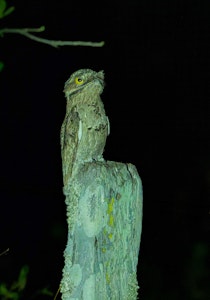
86	126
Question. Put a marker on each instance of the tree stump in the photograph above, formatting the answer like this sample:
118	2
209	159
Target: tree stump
104	215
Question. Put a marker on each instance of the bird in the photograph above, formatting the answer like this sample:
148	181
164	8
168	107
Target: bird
85	127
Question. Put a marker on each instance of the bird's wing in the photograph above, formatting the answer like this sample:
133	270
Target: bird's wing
70	135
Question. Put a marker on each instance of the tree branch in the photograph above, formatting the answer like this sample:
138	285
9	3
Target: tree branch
54	43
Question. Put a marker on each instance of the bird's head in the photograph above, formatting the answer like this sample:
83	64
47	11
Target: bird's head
82	80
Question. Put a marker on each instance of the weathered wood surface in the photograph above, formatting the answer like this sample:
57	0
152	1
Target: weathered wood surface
104	216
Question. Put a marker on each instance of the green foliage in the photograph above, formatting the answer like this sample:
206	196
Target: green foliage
1	66
44	292
15	290
22	279
4	11
197	272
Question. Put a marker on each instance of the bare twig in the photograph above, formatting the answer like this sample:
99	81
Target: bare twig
4	252
54	43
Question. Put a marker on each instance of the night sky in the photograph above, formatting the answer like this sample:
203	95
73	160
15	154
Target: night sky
156	61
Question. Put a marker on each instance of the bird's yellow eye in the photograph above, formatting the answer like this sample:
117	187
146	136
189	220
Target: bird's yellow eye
79	80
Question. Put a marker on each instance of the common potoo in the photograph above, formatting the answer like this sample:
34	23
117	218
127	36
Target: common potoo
86	126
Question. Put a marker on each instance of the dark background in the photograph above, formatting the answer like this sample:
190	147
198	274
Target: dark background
156	60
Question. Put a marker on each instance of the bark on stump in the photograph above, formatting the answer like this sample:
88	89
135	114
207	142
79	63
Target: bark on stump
104	216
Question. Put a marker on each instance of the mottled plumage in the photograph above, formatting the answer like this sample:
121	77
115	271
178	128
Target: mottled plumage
86	126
